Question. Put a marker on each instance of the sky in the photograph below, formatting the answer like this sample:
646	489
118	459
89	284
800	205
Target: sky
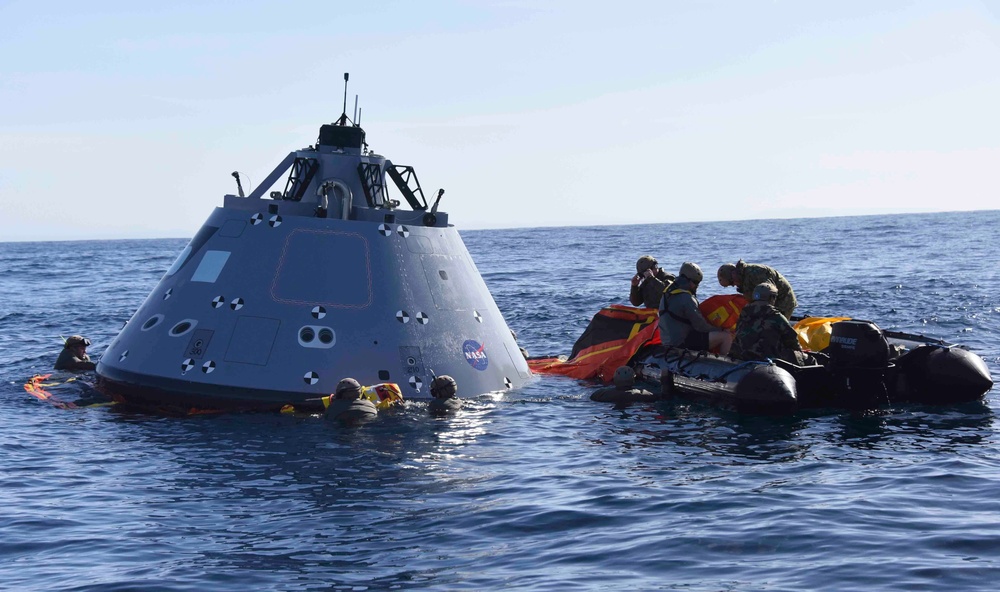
126	119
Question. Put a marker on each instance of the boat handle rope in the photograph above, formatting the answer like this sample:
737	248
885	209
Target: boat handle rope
680	357
743	365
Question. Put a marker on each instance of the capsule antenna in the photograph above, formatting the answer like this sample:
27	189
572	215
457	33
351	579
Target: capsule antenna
440	194
343	116
356	123
239	186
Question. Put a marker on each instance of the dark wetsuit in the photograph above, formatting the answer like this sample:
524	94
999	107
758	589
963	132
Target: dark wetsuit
69	361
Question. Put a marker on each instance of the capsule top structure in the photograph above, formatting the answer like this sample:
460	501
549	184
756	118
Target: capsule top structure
346	271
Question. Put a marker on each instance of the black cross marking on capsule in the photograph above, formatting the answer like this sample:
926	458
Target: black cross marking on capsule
318	312
402	231
218	301
422	318
186	365
122	357
402	317
415	382
311	377
384	229
479	317
507	382
208	367
236	304
168	293
256	219
274	221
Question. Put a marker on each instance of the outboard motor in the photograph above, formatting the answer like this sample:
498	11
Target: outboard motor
859	363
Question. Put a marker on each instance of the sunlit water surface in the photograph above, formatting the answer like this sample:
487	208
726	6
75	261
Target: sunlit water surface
536	489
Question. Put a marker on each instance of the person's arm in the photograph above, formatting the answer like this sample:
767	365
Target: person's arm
694	315
789	338
82	363
635	294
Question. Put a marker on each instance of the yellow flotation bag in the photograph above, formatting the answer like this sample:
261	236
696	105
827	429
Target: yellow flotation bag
814	332
384	395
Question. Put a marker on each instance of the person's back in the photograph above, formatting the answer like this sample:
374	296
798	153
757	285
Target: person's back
347	404
675	312
762	332
747	276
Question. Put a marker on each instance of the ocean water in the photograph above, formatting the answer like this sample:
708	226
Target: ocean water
536	489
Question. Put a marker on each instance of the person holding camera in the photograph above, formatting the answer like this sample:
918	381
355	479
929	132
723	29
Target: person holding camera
648	283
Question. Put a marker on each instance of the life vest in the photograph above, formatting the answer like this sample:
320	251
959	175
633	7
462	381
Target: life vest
666	309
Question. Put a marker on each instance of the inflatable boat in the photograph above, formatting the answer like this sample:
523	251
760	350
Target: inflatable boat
859	366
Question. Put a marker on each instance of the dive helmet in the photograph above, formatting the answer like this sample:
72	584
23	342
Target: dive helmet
443	387
348	388
624	377
75	340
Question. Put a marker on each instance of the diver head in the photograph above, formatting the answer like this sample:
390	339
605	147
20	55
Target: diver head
76	341
443	387
348	389
624	377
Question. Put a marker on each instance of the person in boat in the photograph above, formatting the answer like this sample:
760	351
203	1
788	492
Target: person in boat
762	332
747	276
624	390
444	389
74	355
648	282
681	323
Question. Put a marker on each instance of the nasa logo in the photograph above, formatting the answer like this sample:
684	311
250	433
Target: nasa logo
475	354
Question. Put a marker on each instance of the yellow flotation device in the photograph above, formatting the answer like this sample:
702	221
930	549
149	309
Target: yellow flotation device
814	332
384	395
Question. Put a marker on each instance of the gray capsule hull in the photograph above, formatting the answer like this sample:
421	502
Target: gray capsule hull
271	304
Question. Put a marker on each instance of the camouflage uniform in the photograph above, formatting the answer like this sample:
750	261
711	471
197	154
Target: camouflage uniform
751	275
763	332
650	289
